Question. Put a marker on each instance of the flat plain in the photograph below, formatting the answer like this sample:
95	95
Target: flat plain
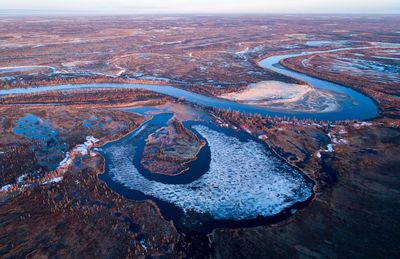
91	170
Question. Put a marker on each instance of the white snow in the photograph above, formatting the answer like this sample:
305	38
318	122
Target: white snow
53	180
77	63
243	54
66	161
329	148
262	137
271	90
121	71
285	96
245	180
5	188
20	179
56	179
83	149
143	244
362	124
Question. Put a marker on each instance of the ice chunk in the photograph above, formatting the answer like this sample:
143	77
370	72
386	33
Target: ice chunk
244	180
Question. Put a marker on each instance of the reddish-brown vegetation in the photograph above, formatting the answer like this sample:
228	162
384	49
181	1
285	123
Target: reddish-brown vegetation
169	149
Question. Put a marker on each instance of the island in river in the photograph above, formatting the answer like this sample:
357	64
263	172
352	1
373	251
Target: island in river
169	149
253	149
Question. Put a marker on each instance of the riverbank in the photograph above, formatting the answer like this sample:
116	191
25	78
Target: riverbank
382	90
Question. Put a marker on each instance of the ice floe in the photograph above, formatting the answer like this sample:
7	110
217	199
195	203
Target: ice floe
245	180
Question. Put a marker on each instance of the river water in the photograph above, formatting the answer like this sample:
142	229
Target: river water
356	106
236	180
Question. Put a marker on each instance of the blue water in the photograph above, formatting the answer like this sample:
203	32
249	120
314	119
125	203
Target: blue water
133	145
136	140
357	106
48	148
95	122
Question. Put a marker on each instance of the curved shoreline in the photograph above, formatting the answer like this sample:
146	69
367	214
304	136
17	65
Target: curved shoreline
185	164
172	212
366	108
299	70
276	64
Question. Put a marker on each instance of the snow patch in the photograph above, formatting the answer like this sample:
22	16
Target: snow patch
6	188
329	148
280	95
362	124
83	149
20	179
53	180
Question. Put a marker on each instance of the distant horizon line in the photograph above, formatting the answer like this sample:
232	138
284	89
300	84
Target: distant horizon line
56	12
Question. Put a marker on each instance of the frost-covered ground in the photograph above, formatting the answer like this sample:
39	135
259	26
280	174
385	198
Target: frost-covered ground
369	68
247	51
270	90
25	69
56	175
245	180
324	43
284	96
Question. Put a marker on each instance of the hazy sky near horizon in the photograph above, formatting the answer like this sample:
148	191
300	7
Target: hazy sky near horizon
207	6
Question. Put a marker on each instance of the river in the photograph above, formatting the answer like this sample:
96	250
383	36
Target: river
236	180
357	106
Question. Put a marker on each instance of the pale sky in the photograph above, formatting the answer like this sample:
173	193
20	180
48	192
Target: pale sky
206	6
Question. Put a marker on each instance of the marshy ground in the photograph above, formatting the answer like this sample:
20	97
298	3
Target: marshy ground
69	211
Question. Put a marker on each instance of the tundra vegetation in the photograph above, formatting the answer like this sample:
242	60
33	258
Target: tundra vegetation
53	203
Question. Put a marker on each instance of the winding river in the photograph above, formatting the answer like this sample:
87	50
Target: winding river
236	180
357	106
